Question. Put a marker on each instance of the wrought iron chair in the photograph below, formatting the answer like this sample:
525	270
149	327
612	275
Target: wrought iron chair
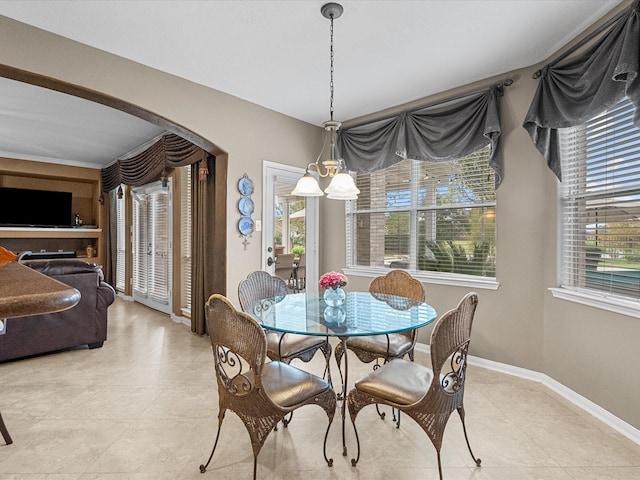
261	393
429	396
260	285
394	345
5	432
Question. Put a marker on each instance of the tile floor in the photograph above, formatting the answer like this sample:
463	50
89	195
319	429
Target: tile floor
144	407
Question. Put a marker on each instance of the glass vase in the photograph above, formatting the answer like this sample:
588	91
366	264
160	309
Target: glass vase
334	297
334	315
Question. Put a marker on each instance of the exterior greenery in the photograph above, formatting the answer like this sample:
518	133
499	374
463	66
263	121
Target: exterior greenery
436	216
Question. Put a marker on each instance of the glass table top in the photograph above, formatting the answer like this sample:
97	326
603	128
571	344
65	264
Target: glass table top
361	314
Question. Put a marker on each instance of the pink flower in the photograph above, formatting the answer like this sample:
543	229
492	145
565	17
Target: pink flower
333	280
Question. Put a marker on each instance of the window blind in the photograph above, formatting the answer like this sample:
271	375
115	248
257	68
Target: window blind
601	204
159	246
121	238
151	244
426	216
139	246
185	238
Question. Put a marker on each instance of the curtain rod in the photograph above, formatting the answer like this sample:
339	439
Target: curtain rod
499	86
538	73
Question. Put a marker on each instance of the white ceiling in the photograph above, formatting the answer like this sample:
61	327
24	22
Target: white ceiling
275	53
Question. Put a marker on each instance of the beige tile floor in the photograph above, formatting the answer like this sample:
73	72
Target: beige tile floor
144	407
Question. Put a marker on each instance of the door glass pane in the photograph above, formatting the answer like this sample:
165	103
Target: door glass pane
290	234
290	226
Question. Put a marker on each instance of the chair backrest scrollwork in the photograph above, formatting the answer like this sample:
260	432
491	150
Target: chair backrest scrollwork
239	345
450	344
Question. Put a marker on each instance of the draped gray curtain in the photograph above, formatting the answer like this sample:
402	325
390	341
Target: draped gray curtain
574	89
443	131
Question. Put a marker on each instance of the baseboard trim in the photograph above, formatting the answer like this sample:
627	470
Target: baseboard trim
181	320
585	404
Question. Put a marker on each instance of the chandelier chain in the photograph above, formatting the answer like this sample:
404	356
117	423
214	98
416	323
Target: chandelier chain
331	70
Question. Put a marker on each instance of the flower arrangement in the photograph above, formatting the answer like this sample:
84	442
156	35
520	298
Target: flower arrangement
333	280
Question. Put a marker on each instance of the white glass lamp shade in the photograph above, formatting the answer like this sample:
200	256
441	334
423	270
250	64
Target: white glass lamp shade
342	187
307	186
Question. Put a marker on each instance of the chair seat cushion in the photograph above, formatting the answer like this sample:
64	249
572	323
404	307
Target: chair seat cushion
291	344
399	381
399	344
288	386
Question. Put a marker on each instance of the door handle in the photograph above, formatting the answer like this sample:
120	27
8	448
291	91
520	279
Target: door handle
270	261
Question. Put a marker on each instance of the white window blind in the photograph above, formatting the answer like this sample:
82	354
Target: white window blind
159	245
140	244
151	244
185	238
426	216
601	204
120	240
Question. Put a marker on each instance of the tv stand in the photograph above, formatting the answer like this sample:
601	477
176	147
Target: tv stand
29	255
56	242
83	183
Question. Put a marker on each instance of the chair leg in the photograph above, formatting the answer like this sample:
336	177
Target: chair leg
324	447
354	461
286	421
255	466
478	461
396	419
439	464
5	432
203	468
382	414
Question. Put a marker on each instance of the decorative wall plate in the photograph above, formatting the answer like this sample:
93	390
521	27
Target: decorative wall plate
246	206
245	225
245	186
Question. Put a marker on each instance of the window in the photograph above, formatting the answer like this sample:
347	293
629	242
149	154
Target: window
600	196
426	217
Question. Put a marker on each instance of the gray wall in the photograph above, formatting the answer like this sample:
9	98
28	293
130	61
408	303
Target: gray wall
247	132
591	351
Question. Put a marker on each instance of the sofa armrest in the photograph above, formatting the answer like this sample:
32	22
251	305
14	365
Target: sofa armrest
106	296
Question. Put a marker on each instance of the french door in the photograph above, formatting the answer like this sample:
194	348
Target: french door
151	246
288	222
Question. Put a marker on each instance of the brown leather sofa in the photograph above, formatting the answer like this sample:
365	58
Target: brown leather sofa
84	324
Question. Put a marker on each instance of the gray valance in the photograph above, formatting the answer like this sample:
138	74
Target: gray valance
444	131
573	90
168	152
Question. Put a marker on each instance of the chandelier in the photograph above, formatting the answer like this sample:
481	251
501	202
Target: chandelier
342	186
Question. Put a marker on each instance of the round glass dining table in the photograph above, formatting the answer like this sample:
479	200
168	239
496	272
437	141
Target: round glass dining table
362	313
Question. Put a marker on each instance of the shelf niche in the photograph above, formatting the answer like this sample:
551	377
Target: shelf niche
84	185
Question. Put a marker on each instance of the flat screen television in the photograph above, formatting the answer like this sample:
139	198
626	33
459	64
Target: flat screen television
22	207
